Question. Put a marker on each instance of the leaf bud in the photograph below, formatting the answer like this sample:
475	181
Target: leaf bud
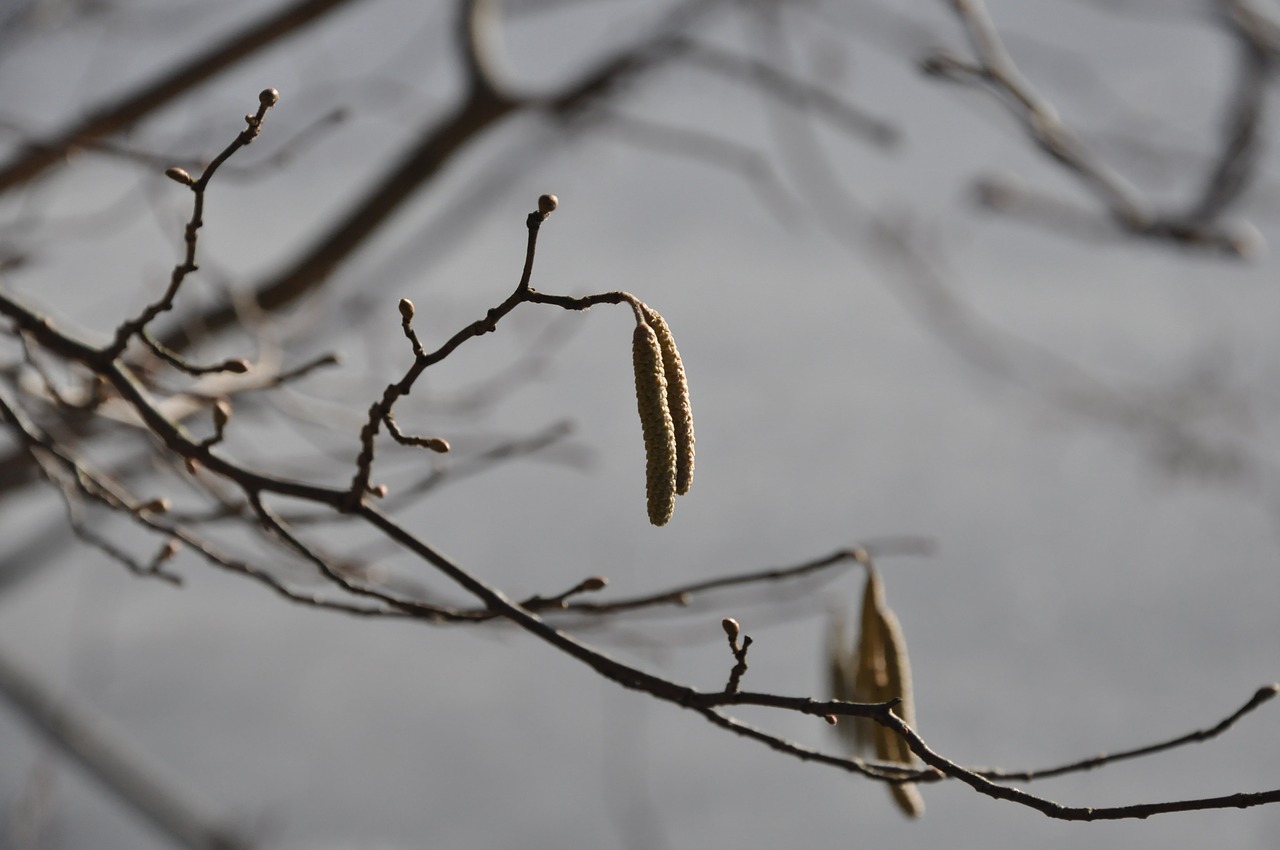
155	506
179	175
269	97
406	309
221	413
547	204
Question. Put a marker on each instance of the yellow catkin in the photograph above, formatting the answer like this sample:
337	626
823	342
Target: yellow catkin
677	399
883	673
655	421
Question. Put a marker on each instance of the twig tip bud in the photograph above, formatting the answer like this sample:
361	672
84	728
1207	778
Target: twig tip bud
547	204
221	413
406	309
731	627
238	366
269	97
593	584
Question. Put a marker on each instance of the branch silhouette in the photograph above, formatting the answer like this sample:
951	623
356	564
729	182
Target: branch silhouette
210	464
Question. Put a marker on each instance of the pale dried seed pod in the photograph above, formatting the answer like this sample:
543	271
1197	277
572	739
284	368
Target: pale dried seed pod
870	678
883	673
655	422
894	747
877	671
677	399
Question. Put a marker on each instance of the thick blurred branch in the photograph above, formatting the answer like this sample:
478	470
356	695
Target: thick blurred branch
109	761
111	118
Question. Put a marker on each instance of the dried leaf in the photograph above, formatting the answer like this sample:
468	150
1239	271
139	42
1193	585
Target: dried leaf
882	672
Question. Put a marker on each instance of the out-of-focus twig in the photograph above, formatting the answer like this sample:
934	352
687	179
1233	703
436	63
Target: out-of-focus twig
114	117
106	757
1197	224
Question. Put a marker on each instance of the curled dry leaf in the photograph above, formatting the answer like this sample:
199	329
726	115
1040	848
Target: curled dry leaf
876	671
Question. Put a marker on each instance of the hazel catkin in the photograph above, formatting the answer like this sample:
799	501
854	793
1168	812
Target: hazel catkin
677	399
655	422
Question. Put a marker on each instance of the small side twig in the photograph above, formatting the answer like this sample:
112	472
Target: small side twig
739	650
133	327
1261	696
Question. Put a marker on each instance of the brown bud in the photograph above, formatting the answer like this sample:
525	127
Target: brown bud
406	309
237	366
380	491
269	97
155	506
593	584
221	413
192	465
547	204
171	548
179	175
731	627
830	718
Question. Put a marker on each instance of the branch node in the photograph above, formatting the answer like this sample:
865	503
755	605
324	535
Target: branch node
221	416
732	630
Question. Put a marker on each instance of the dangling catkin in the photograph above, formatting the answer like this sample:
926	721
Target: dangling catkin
655	421
677	399
883	673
